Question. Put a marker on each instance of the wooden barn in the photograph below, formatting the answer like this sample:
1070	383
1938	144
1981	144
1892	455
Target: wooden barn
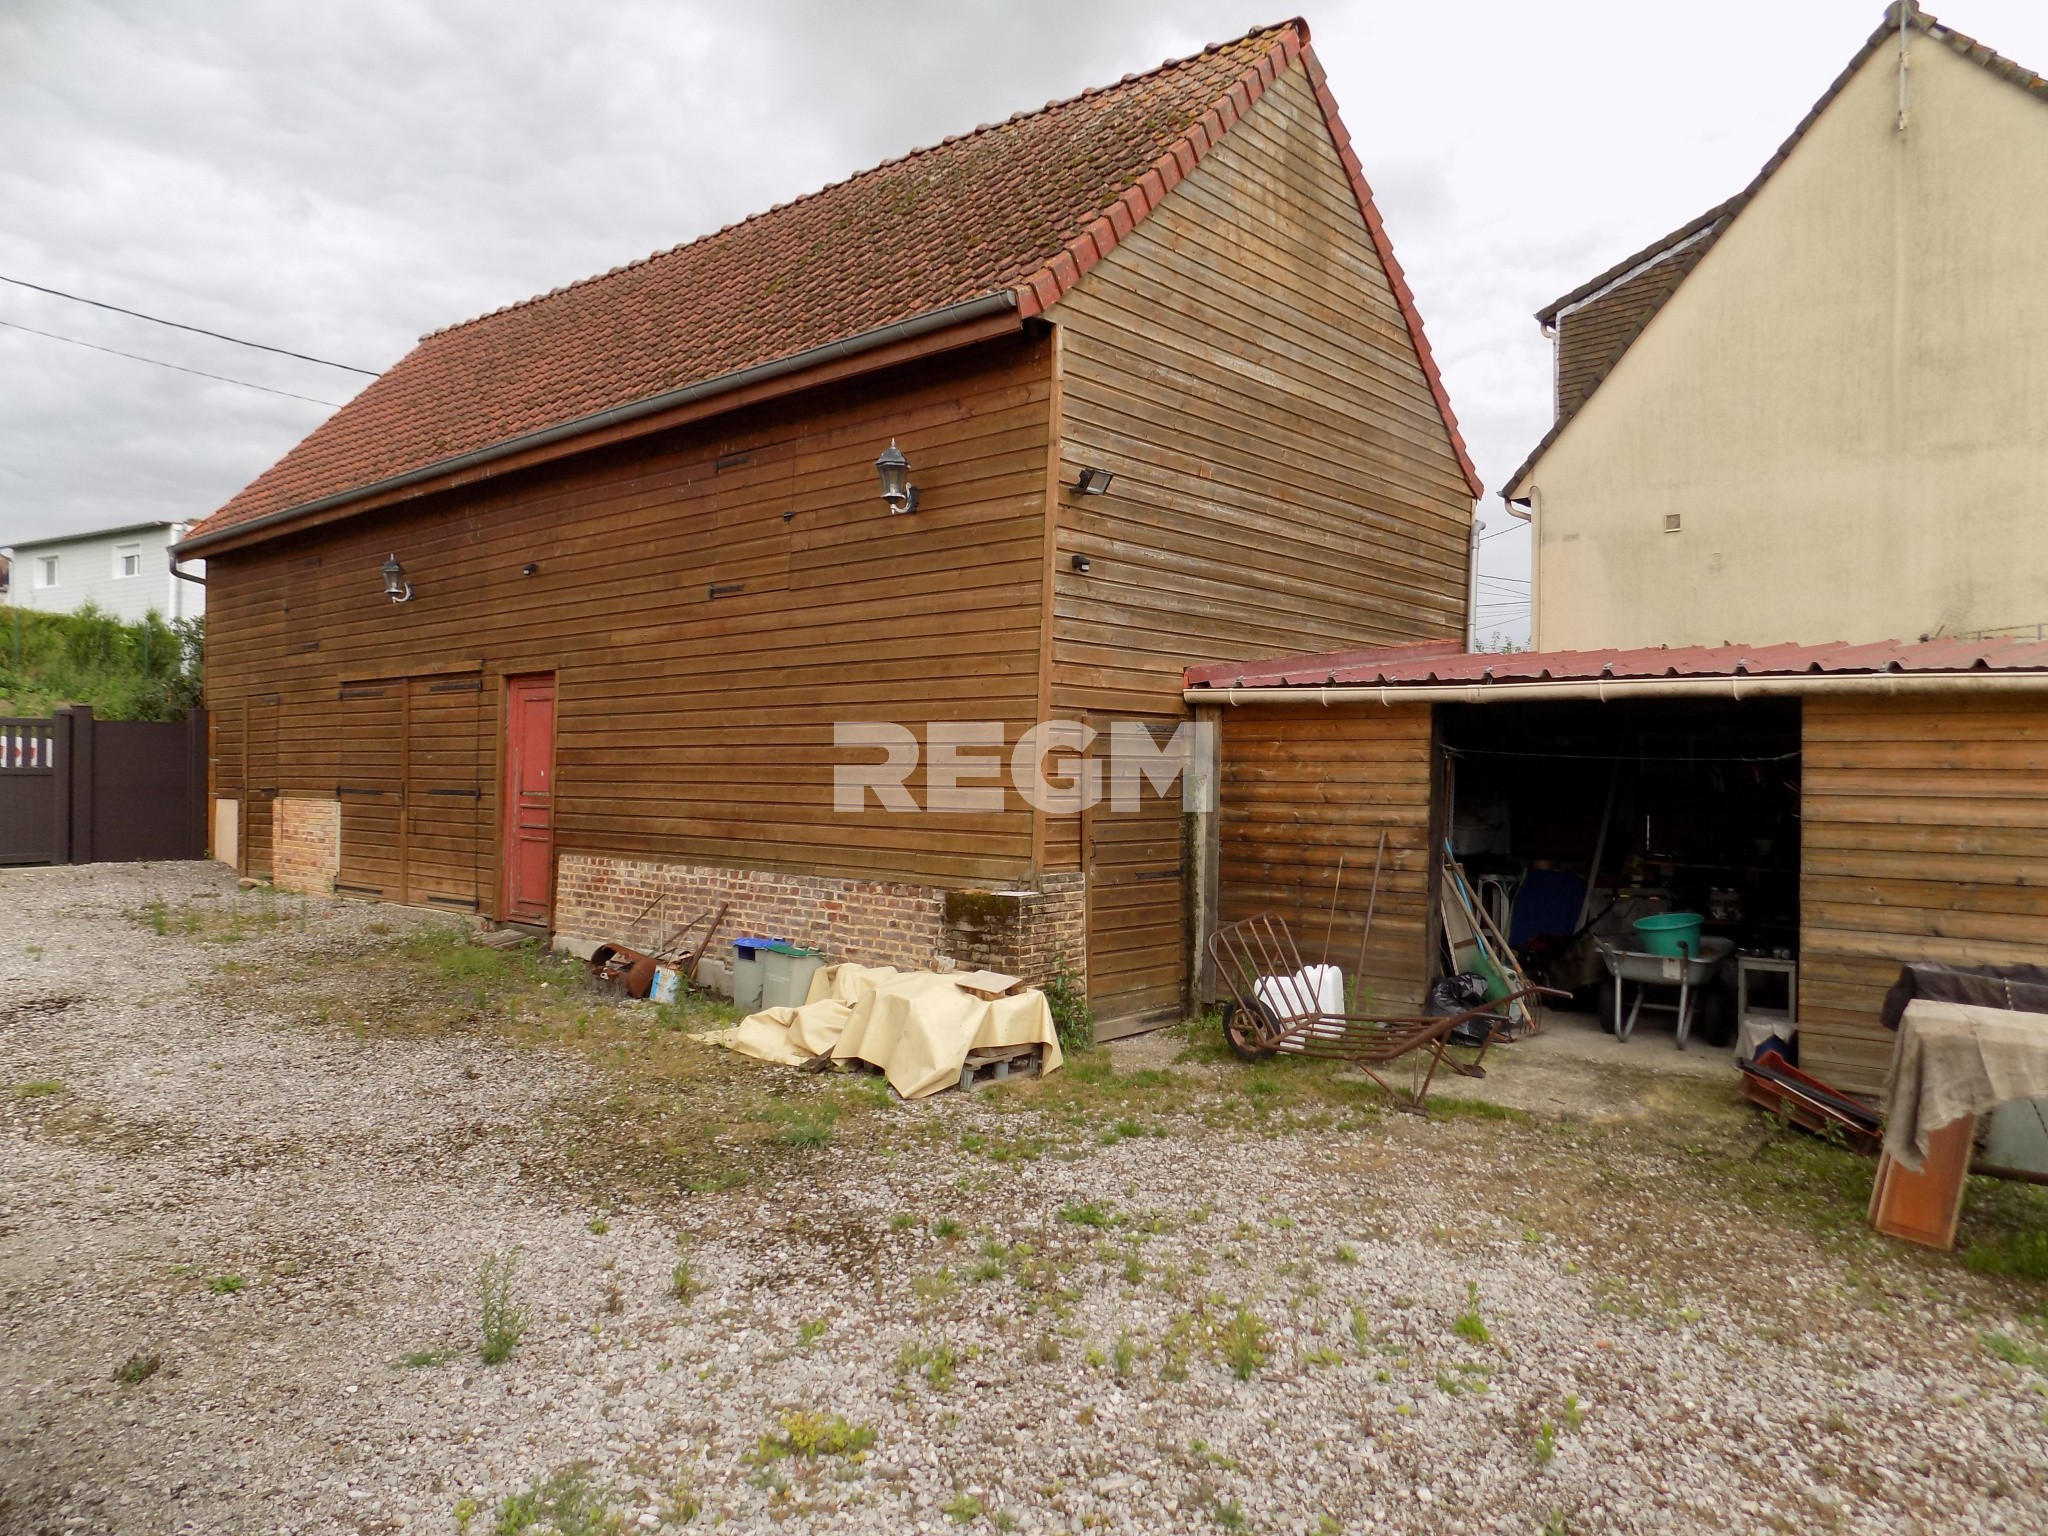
555	621
1843	808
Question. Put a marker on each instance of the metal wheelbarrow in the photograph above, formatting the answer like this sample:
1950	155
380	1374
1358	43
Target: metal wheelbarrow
1687	972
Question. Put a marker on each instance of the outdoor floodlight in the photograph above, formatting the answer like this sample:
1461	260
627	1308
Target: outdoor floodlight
1094	482
396	587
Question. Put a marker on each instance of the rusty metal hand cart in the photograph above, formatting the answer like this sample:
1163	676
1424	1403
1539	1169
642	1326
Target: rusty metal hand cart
1277	1005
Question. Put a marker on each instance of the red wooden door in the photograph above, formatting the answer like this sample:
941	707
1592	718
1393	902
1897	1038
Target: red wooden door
529	799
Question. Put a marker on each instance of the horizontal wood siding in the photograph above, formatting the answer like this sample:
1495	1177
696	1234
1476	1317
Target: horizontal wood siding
1285	481
692	727
1302	788
1925	837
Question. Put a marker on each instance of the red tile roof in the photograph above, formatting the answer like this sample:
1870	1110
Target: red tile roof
1026	206
1445	661
1716	220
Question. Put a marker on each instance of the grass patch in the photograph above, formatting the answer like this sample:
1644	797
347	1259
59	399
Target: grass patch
1093	1214
38	1088
963	1507
423	1359
2022	1255
226	1285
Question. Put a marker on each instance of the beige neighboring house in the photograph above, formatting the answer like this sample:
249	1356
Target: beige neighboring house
1819	411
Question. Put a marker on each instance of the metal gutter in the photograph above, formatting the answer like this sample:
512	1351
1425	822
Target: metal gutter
1615	689
832	351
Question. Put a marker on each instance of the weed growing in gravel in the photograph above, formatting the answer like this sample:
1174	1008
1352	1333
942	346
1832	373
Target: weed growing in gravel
935	1362
811	1330
502	1320
1322	1354
812	1435
226	1285
964	1508
1546	1444
1229	1514
1047	1350
599	1226
1470	1325
1092	1214
1361	1330
137	1369
1125	1355
1574	1415
946	1228
937	1286
680	1505
421	1359
1346	1254
1242	1343
565	1504
682	1283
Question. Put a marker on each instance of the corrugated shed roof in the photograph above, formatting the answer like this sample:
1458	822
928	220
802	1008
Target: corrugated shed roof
1717	220
1027	205
1436	662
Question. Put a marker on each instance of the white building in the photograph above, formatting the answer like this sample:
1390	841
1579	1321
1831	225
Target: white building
125	572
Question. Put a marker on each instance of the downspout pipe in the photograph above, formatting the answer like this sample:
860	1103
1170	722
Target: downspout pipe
1615	690
171	553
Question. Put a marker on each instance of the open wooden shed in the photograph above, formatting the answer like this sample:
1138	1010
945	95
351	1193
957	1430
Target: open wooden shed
1865	805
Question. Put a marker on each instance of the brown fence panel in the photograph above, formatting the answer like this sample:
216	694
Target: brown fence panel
28	791
75	790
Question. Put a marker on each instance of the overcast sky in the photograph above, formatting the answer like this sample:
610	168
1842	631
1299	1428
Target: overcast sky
337	179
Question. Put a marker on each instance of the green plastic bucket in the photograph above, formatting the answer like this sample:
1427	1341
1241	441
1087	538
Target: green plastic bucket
1671	933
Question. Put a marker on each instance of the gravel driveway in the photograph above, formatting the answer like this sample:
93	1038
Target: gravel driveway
272	1227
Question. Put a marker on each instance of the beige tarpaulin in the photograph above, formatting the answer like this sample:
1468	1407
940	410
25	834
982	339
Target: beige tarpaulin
1955	1059
917	1026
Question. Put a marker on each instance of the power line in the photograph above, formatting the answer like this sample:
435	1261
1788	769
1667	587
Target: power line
177	367
177	325
1516	525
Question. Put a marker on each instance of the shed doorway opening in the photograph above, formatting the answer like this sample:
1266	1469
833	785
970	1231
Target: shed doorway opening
1575	819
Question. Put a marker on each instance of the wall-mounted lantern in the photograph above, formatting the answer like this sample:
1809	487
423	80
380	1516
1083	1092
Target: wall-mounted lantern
1081	565
894	470
396	587
1094	482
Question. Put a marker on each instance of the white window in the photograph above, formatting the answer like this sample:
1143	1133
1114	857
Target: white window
127	560
46	571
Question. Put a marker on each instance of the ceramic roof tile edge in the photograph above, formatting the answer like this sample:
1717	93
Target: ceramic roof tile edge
1434	663
1887	31
1042	289
876	169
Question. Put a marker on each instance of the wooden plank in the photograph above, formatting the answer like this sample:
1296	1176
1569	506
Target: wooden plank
1925	837
666	694
1285	482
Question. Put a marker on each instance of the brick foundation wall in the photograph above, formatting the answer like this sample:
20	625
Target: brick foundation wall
305	845
639	902
1022	933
